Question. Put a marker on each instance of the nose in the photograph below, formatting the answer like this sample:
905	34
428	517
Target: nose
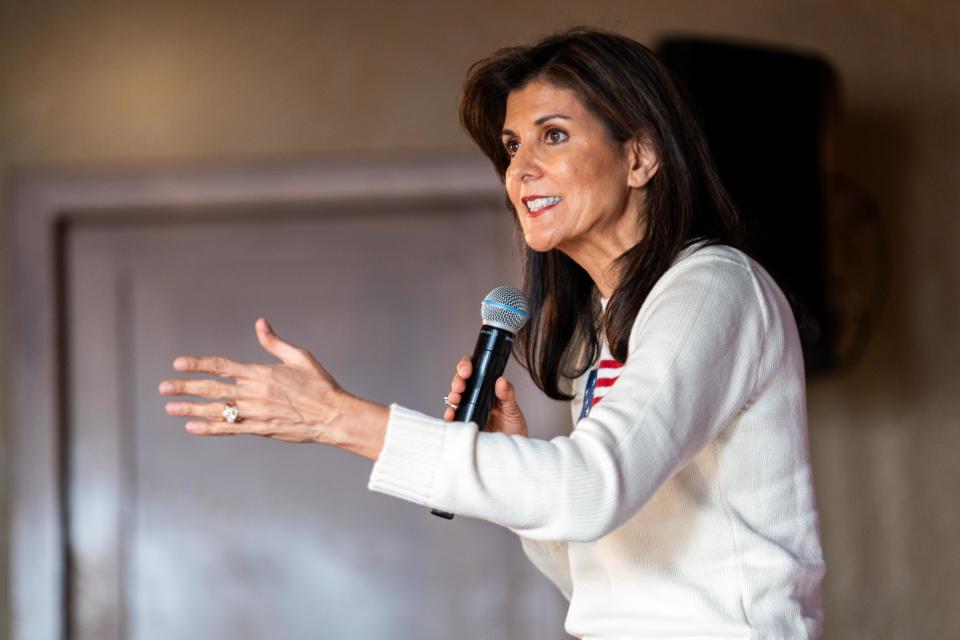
524	165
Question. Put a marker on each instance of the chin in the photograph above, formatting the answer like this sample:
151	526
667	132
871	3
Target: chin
545	232
539	244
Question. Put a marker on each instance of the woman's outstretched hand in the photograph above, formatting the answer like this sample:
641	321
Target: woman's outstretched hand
505	417
294	401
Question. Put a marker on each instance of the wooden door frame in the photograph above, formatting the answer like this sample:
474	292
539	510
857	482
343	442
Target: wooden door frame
39	204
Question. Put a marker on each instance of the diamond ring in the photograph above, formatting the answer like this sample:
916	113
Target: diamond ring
450	404
231	414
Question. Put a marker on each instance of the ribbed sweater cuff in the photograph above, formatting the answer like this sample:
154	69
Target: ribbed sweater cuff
410	459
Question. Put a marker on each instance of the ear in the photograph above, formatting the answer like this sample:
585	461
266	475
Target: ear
643	162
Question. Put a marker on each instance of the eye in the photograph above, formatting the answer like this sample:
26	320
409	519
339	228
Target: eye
511	146
555	135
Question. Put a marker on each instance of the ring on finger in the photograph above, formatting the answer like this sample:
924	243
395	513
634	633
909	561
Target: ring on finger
231	413
450	404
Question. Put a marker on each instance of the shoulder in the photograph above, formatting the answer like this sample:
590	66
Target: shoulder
717	288
713	275
723	270
727	292
740	279
716	256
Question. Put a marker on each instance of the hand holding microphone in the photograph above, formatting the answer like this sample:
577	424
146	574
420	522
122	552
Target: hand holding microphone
505	416
478	390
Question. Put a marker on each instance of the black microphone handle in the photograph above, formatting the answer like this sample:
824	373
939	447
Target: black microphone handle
489	360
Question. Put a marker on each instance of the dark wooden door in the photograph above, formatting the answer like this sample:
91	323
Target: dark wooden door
172	536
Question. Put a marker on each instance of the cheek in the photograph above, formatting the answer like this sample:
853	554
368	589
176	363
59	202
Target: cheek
588	179
588	186
605	182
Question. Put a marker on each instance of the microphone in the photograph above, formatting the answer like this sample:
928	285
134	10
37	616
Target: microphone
504	312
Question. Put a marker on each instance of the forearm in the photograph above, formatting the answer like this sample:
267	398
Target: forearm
518	482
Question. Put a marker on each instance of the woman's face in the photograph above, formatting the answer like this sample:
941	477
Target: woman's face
570	182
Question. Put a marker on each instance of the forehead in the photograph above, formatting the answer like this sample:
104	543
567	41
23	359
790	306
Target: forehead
538	98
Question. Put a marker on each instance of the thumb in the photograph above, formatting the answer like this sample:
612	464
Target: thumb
507	398
269	340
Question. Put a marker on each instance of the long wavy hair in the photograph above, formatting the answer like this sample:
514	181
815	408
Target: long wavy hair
626	86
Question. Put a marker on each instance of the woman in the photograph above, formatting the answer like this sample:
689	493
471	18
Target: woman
681	505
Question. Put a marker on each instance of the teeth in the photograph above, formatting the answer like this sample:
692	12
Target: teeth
540	203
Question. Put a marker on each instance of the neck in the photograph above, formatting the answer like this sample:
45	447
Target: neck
597	250
598	257
602	269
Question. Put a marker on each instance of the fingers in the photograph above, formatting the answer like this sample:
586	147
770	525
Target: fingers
206	410
269	340
247	427
212	364
459	382
465	367
223	428
202	388
206	418
283	350
454	396
458	385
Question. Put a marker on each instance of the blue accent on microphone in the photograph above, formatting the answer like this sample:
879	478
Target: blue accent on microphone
506	306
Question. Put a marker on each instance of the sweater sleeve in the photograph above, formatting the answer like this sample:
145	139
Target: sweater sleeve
552	560
693	362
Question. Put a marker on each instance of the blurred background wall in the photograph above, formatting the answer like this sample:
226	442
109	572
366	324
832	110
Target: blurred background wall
111	82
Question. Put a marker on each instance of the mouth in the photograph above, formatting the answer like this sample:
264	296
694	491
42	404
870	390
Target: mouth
538	204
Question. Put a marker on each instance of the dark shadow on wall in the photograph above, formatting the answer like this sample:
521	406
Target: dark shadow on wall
868	258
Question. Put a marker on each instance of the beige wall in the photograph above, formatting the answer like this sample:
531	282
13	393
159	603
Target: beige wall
115	81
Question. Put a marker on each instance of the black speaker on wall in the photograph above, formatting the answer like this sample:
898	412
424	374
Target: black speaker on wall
765	113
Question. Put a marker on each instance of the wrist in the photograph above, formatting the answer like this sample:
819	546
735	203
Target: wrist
360	426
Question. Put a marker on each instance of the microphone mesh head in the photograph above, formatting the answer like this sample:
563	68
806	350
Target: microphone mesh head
506	308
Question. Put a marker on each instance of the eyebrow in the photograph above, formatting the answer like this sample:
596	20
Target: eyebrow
539	121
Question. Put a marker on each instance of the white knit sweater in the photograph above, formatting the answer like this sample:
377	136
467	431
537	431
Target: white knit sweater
682	506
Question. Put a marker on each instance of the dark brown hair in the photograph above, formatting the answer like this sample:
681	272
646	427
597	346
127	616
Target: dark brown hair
625	85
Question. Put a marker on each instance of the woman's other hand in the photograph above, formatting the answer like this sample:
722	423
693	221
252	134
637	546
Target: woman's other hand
505	417
294	401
